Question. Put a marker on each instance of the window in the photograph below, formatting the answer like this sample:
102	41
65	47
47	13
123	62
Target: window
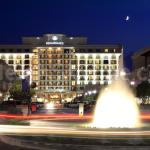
27	62
66	67
27	50
90	78
97	61
19	61
98	50
3	50
97	67
82	78
90	67
74	72
35	78
106	57
73	61
98	73
66	56
26	67
113	61
11	57
106	50
66	62
105	67
97	77
82	67
10	62
73	82
97	56
18	67
82	72
106	73
35	62
26	56
66	50
3	57
18	50
73	77
18	57
73	66
90	61
35	72
90	72
82	61
82	57
90	57
90	50
105	62
35	67
42	77
113	57
114	67
113	72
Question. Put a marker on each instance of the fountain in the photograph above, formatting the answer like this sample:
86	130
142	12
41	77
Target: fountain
116	108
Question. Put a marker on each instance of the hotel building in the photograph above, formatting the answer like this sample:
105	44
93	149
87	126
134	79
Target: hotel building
63	66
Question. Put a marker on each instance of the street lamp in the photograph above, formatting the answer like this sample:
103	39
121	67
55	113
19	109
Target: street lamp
94	92
86	94
132	83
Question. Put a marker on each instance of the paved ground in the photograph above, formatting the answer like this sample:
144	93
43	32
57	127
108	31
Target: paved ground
4	146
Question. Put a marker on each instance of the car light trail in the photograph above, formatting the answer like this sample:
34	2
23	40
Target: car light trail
143	116
50	116
65	131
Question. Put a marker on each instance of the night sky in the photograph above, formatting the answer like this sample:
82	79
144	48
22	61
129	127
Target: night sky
102	21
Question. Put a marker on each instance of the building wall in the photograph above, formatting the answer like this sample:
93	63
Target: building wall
61	64
96	68
21	63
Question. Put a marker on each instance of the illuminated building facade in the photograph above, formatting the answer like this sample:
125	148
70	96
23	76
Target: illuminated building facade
62	66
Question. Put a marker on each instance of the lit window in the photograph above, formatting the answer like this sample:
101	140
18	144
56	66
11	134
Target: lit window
73	67
35	78
90	61
11	57
35	72
106	50
35	62
73	82
35	67
90	57
18	57
90	72
35	50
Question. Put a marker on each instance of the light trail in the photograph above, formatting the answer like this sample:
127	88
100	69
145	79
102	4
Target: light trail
143	116
49	116
65	131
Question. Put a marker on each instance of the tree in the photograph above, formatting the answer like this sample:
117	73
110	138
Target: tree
143	90
17	94
7	76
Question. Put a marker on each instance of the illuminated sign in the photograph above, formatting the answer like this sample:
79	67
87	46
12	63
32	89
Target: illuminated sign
54	43
54	38
54	96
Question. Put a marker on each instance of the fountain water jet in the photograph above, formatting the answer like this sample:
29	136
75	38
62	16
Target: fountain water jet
116	108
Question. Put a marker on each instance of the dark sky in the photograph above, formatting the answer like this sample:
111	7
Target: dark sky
102	21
